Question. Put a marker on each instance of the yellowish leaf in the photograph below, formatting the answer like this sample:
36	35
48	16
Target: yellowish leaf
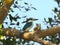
0	25
2	37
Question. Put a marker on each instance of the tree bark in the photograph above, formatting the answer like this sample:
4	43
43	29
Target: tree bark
33	35
4	10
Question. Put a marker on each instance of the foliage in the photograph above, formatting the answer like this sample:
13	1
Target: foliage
12	40
54	22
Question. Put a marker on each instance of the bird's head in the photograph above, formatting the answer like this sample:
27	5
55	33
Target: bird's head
30	20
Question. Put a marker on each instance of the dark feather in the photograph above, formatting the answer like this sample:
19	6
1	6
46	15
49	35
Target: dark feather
27	25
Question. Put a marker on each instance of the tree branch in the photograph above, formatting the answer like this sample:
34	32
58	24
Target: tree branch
4	9
44	42
33	35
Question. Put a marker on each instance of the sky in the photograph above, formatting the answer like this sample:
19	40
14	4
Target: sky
44	10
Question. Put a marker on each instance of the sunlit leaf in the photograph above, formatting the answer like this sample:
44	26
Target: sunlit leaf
0	25
11	9
0	31
2	37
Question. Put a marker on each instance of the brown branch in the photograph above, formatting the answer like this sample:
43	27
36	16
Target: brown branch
33	35
44	42
4	9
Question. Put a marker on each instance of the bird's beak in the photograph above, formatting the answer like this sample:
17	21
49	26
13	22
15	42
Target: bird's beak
35	19
24	22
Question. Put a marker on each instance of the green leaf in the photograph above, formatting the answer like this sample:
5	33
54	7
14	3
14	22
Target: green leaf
16	2
58	15
0	32
0	25
11	9
47	26
45	19
55	17
50	20
25	3
58	2
17	23
55	10
0	29
20	40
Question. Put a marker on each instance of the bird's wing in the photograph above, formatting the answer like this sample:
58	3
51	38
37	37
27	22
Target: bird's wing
27	26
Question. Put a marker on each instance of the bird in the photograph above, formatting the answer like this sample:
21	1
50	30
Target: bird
29	24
